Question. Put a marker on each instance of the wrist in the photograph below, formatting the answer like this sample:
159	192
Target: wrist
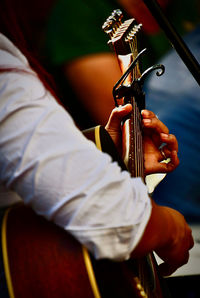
158	232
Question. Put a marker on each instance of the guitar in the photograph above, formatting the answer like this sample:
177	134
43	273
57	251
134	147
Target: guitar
42	260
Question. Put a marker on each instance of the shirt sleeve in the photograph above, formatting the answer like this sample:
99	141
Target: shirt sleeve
48	162
74	29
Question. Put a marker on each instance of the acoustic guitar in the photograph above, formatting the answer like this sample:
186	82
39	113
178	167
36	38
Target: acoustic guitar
42	260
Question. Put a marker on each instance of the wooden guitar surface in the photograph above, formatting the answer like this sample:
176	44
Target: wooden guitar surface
42	258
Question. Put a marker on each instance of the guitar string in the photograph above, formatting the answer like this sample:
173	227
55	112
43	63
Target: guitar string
137	127
138	159
140	129
137	75
133	124
138	163
140	145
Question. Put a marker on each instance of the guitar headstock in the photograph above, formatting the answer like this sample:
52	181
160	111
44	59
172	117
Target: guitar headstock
122	34
124	41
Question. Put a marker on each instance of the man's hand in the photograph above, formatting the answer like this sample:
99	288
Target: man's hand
155	134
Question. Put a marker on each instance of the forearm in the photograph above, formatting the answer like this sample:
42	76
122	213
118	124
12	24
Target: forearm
157	232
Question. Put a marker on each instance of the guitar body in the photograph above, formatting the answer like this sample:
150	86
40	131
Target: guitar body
42	260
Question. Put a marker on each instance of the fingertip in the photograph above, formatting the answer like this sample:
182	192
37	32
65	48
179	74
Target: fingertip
174	157
128	107
174	153
164	136
144	112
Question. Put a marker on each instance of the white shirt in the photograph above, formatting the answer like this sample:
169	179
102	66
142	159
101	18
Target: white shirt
47	162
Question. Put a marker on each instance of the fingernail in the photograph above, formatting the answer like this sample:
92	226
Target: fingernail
164	135
146	121
144	112
122	107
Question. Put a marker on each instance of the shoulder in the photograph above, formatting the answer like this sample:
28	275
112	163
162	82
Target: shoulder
10	56
17	80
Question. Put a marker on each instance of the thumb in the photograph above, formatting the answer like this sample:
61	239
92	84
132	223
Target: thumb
117	116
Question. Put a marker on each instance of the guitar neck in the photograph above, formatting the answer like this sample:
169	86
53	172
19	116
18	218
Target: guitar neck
123	38
132	145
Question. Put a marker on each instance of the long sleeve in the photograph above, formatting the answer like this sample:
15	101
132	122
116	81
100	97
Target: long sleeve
53	168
